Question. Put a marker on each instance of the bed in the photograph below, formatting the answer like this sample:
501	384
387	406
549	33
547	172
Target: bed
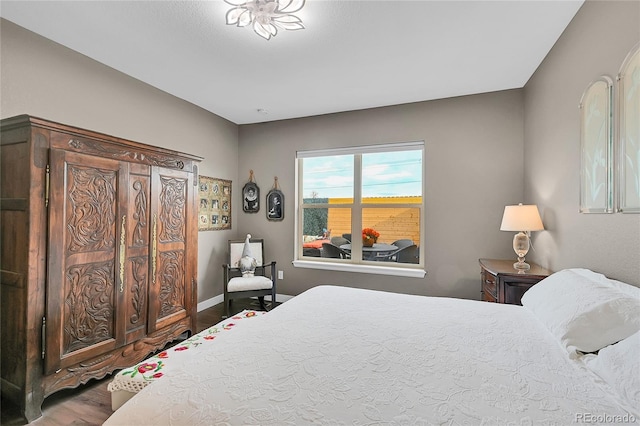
337	355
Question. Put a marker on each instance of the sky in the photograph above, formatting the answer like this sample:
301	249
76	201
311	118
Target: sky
385	174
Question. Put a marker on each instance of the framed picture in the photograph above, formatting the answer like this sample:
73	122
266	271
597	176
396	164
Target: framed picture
629	131
596	147
275	205
215	204
250	198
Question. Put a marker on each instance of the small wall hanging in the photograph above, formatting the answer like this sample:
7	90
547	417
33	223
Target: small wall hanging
596	147
251	195
215	204
629	135
275	202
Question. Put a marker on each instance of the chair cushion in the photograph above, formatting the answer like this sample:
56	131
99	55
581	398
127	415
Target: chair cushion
249	283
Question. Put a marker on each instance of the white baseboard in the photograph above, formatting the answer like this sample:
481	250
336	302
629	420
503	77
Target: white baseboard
206	304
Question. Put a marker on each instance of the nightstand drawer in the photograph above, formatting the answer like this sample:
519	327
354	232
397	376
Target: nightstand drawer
489	287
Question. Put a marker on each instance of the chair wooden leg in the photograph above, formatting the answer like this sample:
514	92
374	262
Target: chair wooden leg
262	305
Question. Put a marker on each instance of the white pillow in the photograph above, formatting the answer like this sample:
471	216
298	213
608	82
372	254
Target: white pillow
619	366
584	310
594	276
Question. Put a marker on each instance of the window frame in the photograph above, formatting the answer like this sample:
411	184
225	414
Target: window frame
356	263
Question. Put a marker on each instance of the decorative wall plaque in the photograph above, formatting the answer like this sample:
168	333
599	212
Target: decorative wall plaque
629	125
596	147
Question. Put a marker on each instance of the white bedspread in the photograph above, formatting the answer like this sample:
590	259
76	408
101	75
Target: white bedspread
335	355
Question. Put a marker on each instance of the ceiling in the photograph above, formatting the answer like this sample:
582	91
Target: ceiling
352	54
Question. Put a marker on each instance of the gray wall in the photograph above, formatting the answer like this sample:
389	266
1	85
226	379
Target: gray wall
595	43
474	153
42	78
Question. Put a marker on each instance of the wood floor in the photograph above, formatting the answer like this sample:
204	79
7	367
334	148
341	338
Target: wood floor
90	404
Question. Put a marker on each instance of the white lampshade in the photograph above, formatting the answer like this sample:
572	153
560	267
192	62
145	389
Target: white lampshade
521	218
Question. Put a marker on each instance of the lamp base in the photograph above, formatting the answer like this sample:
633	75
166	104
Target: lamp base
521	265
521	247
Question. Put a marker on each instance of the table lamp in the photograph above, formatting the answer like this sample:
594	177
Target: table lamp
524	219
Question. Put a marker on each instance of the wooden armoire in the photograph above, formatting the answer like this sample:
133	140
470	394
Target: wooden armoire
98	255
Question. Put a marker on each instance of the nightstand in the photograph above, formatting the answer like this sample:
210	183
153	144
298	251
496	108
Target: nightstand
501	283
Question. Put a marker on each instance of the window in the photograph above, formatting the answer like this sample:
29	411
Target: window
361	209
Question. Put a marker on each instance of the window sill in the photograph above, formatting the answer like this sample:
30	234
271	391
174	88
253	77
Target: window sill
364	269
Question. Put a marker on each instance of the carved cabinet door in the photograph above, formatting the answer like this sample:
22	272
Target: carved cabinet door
85	284
172	222
136	242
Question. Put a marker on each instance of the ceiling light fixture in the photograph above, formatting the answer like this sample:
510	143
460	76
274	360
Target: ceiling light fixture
267	16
